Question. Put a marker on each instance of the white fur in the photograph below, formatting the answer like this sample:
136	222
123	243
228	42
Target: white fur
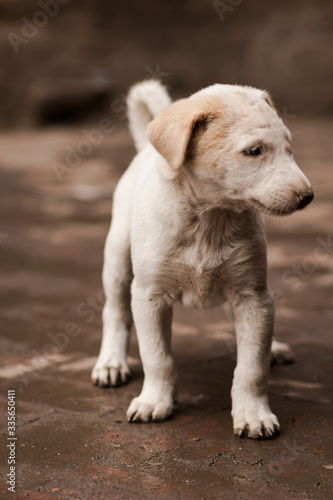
194	233
145	101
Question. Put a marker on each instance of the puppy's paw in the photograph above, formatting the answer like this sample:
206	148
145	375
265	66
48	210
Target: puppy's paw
281	354
255	421
143	410
107	372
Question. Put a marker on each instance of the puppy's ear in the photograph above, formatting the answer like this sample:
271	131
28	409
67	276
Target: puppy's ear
269	101
171	131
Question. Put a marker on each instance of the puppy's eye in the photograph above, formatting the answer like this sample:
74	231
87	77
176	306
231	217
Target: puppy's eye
254	151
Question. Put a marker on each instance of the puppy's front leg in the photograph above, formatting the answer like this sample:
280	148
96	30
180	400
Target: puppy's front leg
251	413
111	366
153	324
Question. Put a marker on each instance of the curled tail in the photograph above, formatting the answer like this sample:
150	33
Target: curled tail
145	101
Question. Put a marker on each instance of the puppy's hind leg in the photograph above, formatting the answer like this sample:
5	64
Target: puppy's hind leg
111	367
281	353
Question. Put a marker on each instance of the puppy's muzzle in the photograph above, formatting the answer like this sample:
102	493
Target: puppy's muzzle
305	197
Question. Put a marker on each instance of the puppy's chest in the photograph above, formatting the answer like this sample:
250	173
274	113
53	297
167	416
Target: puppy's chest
199	255
201	288
200	273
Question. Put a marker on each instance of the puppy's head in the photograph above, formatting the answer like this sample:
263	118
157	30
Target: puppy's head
235	149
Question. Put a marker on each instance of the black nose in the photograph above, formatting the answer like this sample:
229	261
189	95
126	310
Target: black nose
305	197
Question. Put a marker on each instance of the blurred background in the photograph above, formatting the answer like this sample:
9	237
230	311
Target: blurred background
66	60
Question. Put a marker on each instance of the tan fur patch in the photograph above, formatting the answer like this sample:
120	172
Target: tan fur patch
270	102
206	143
171	131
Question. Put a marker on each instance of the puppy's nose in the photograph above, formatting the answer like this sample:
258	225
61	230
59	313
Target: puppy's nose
305	197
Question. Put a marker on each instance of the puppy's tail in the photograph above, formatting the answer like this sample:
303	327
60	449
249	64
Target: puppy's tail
145	101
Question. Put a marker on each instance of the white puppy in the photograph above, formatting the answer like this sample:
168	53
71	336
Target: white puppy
188	226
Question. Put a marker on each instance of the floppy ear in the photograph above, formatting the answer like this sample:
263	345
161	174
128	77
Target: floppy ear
269	101
171	131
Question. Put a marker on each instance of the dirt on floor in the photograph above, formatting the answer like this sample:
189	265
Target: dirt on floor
73	440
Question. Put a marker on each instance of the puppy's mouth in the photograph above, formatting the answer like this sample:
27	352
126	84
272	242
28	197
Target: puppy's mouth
277	211
299	201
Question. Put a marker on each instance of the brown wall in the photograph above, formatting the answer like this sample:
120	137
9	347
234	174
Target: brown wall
88	54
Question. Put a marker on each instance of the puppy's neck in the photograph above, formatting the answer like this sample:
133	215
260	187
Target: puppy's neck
204	196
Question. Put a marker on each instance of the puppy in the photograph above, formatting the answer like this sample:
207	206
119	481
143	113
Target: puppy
188	226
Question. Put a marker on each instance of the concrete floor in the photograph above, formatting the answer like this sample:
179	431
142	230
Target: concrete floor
73	440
